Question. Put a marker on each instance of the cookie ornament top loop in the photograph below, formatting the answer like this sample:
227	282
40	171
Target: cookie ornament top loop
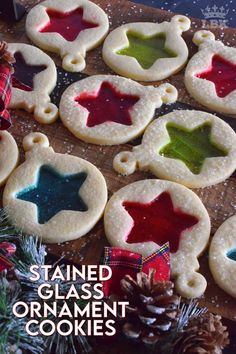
57	197
109	110
210	75
34	78
147	51
144	215
193	148
70	28
222	256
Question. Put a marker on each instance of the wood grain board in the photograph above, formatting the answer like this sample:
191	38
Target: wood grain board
220	200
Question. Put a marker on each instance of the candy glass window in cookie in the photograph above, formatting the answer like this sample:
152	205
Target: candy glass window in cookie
191	146
158	221
54	192
58	197
107	105
109	110
69	28
210	76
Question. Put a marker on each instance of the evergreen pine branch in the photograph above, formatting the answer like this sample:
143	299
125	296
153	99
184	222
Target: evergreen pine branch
12	329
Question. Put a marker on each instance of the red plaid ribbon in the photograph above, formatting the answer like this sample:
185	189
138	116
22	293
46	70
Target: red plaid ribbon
5	96
7	249
124	262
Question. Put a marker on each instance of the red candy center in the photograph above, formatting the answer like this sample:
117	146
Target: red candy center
107	105
158	221
67	24
222	73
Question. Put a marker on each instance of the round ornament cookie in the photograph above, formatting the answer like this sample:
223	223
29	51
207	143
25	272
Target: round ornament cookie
193	148
109	110
34	79
57	197
210	76
144	215
69	28
147	51
222	256
9	155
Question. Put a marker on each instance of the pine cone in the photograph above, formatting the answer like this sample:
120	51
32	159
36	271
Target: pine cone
152	310
6	58
203	335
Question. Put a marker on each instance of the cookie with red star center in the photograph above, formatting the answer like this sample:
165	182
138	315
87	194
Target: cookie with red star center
70	28
33	80
210	76
144	215
109	110
147	51
58	197
222	256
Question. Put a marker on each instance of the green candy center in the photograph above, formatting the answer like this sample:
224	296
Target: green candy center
191	146
146	50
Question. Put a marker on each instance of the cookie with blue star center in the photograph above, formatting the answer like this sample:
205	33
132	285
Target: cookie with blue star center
55	196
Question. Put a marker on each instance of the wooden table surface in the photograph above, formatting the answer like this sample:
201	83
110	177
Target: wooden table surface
220	200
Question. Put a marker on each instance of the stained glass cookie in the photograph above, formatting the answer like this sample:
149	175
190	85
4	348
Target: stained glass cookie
58	197
69	28
193	148
144	215
210	76
9	155
222	256
108	110
147	51
34	79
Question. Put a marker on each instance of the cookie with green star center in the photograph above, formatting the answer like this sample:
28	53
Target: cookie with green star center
147	51
69	28
193	148
222	256
57	197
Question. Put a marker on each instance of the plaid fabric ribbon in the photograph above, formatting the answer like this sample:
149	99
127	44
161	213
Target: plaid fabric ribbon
124	262
7	249
5	96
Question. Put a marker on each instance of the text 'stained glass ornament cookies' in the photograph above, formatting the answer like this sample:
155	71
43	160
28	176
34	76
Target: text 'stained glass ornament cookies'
108	110
70	28
222	256
57	197
147	51
193	148
9	155
210	76
144	215
34	78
